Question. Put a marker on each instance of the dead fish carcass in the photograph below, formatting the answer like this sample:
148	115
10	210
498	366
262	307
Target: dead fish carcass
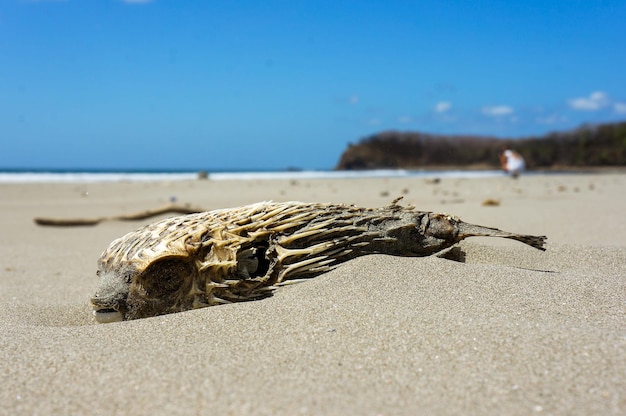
238	254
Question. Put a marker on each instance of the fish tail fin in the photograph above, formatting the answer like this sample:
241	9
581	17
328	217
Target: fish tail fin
535	241
471	230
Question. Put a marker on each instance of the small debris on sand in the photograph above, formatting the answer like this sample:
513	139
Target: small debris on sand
490	202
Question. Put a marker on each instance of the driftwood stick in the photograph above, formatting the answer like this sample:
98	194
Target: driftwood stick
141	215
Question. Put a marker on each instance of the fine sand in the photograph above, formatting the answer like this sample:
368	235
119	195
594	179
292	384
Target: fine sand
503	329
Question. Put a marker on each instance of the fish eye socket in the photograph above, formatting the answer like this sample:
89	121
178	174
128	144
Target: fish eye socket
165	277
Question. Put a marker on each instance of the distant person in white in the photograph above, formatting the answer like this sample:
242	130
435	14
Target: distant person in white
512	162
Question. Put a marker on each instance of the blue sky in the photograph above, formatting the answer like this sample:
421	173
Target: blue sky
272	84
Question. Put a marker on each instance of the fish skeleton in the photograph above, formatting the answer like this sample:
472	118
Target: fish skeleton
231	255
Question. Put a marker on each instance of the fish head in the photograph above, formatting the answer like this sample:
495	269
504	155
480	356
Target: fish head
142	290
145	273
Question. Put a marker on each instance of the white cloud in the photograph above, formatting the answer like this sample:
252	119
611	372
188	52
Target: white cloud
619	108
498	110
443	106
404	119
595	101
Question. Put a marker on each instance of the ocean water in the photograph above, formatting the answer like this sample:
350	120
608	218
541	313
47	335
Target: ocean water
85	176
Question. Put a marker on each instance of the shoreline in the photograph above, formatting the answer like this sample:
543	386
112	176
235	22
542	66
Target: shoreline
486	167
434	173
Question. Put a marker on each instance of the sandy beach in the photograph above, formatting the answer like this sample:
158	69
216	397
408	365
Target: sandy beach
508	330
